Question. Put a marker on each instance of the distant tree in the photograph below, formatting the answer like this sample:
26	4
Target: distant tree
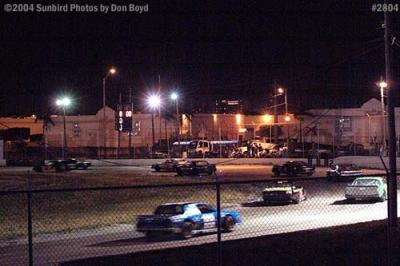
47	122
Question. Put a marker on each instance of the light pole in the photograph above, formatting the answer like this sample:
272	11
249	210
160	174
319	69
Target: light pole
382	84
154	102
63	103
175	97
111	71
287	120
278	92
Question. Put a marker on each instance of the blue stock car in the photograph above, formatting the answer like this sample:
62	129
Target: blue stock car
186	219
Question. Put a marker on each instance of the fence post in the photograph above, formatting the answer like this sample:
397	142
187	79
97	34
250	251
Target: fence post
219	259
30	228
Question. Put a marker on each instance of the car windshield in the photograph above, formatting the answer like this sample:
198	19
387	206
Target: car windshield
169	209
298	163
366	182
281	184
193	145
347	167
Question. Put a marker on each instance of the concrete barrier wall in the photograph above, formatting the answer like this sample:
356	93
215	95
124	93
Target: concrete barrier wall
362	161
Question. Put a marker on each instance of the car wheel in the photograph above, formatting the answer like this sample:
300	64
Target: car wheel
309	174
38	169
157	168
179	172
228	224
60	168
296	198
383	197
277	173
351	200
151	235
187	230
85	167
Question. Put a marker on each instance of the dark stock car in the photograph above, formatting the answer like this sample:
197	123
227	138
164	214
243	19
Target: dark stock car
196	168
293	168
342	171
76	164
169	165
60	165
49	166
283	192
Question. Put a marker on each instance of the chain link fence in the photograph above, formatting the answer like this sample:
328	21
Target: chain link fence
47	227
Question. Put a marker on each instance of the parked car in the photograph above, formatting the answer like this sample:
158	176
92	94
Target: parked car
196	168
367	188
283	192
352	149
293	168
158	155
342	171
50	166
60	165
168	165
185	219
73	164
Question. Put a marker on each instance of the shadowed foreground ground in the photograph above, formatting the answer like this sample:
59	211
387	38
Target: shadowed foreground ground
359	244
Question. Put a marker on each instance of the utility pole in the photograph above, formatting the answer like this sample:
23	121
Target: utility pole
159	108
152	133
119	131
286	103
220	139
166	135
383	113
392	182
65	134
130	131
104	118
275	113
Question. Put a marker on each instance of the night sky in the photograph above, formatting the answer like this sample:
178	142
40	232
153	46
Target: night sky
327	54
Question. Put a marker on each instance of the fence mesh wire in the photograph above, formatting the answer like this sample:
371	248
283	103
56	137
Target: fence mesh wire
75	224
13	229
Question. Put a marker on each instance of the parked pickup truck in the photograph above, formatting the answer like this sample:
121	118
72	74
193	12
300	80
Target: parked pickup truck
367	188
185	219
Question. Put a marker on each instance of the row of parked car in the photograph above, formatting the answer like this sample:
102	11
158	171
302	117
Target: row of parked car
290	168
184	167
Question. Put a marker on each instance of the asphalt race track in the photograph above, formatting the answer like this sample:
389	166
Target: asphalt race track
324	207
